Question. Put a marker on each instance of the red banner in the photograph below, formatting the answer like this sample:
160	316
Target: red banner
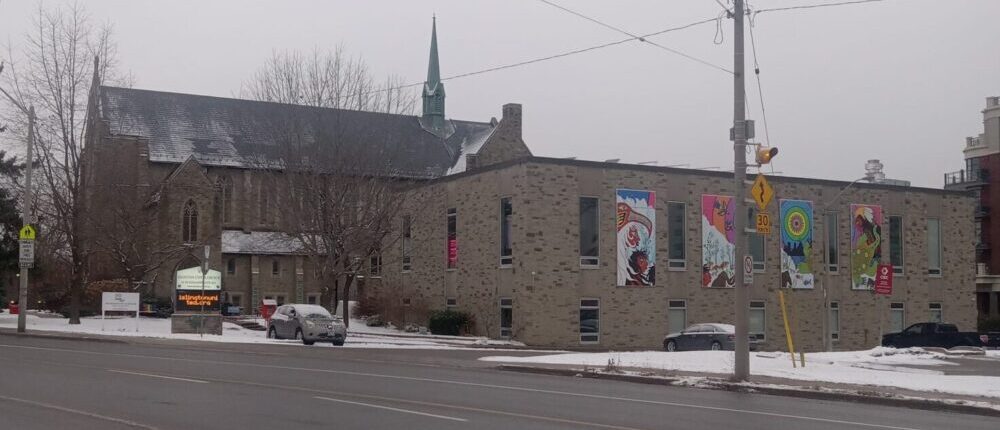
452	252
883	279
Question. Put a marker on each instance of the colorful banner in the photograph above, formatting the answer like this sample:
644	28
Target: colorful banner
796	243
636	223
718	242
866	245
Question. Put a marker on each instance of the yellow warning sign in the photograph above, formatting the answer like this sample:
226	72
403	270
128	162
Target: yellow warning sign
27	232
762	192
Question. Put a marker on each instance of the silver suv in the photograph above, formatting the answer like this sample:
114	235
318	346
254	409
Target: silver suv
308	323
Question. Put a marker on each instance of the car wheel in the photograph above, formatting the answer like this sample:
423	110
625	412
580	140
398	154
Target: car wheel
298	336
338	343
671	346
272	333
716	346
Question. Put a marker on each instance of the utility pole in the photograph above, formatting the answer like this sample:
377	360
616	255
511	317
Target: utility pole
26	218
741	371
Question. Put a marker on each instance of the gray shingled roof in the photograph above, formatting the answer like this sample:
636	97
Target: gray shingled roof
238	133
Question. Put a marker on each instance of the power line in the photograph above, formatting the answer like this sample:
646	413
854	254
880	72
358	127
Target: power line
724	7
760	91
813	6
640	38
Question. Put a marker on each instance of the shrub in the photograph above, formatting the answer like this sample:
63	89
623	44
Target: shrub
449	322
368	306
989	324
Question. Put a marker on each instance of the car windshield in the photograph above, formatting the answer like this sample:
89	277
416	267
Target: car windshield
313	311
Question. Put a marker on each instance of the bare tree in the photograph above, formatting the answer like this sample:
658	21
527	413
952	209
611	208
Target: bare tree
329	79
51	70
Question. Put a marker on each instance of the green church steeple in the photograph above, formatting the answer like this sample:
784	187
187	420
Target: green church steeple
433	93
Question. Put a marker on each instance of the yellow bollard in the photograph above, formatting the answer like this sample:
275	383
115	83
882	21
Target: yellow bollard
788	331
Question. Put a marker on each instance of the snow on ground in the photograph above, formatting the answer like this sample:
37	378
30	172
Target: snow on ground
878	366
359	336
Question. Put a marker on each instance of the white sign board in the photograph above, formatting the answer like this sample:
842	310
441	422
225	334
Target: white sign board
748	270
26	257
120	302
191	279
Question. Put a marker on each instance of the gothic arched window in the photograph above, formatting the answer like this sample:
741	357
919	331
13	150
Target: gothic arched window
225	184
189	222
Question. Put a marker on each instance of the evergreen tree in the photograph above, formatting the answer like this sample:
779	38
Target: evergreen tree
10	219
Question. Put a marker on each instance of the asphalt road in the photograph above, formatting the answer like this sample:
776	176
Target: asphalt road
55	384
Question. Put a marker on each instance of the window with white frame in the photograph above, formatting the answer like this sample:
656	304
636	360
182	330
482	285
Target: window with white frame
375	264
676	258
506	317
933	246
835	321
451	302
676	315
590	320
897	317
506	216
758	321
896	243
935	312
589	232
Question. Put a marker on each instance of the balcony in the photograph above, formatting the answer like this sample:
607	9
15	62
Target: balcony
982	211
963	179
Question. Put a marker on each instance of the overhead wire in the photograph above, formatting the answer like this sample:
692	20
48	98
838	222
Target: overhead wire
640	38
813	6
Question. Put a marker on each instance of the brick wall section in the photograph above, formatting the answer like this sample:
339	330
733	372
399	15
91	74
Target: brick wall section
546	281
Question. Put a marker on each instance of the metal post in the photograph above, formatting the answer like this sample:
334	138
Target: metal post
26	218
741	371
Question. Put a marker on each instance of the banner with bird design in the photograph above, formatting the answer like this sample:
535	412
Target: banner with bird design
718	242
636	225
866	245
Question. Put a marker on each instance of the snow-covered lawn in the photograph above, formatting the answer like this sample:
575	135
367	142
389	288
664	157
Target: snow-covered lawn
878	366
359	335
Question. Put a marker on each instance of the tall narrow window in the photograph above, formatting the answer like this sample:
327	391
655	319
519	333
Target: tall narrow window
676	259
275	268
676	315
590	320
835	321
231	266
452	238
264	211
407	242
225	184
897	317
189	227
832	262
589	236
506	317
896	243
375	263
506	213
935	312
933	246
758	321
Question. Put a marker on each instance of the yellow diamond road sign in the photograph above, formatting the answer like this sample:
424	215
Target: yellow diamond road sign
27	232
762	192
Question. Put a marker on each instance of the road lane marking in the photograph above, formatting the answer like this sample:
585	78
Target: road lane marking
151	375
77	412
475	384
392	409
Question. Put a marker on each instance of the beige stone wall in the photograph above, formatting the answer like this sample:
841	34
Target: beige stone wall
546	281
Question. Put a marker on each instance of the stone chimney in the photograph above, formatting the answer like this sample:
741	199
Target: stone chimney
512	119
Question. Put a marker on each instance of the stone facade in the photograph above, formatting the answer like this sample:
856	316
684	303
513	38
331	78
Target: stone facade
546	280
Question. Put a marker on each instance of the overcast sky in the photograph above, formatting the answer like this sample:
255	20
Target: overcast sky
903	81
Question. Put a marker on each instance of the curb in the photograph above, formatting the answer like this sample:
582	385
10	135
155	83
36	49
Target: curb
859	397
61	337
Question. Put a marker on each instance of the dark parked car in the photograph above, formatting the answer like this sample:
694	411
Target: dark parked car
940	335
308	323
715	337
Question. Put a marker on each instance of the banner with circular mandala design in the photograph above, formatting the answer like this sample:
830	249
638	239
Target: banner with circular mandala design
796	220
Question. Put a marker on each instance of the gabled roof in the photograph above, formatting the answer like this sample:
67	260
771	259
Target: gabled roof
238	133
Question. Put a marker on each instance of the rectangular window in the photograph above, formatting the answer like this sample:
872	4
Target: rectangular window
452	238
407	242
506	213
312	299
756	242
676	315
590	320
676	258
275	268
935	311
758	322
832	263
506	317
236	299
231	266
406	301
451	302
933	246
896	243
897	317
589	236
835	321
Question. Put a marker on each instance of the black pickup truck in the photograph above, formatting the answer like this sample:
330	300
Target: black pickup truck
940	335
